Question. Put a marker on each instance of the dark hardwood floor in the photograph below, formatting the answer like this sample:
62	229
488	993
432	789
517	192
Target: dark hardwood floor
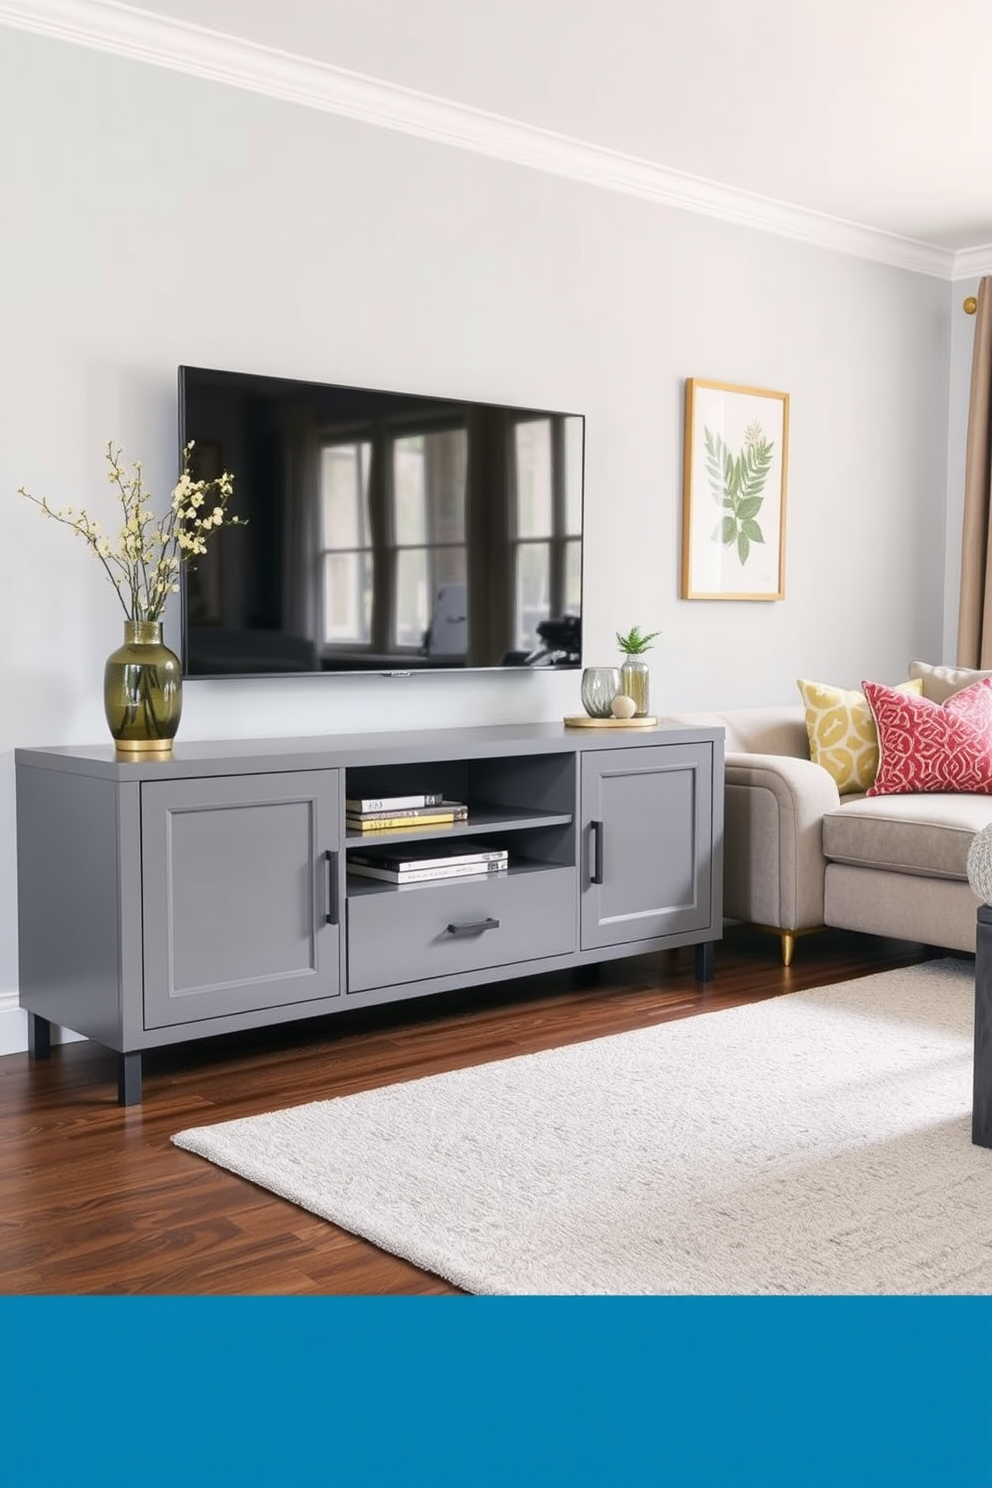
94	1199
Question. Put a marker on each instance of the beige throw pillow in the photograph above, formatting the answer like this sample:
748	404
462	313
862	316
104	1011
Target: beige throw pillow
942	682
842	733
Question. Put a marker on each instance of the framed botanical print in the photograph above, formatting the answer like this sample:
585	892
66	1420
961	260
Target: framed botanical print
735	461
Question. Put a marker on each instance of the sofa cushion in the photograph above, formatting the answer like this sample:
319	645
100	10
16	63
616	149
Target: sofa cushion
925	835
942	682
842	733
928	746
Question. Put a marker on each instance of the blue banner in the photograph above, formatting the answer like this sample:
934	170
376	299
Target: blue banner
495	1393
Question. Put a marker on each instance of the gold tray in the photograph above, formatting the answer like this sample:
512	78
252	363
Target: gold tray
582	720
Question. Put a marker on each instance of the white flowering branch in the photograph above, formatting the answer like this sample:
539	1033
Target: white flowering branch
143	565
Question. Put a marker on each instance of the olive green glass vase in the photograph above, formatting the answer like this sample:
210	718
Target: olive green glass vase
143	693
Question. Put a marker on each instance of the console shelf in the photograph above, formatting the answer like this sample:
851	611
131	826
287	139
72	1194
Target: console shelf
359	887
172	900
482	820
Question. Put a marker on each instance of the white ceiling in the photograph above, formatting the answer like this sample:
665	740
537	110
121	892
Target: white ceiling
873	112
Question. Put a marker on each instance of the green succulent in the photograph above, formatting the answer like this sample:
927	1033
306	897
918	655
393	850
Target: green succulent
633	643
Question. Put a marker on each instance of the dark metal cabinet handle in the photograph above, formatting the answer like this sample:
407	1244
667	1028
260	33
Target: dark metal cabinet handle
333	888
474	927
597	852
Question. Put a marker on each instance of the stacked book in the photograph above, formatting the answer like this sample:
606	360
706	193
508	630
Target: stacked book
387	813
419	862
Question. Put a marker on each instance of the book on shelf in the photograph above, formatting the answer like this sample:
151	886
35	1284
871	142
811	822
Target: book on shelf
444	815
422	875
413	855
358	805
411	811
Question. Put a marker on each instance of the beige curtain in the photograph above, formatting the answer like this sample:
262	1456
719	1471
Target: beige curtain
975	610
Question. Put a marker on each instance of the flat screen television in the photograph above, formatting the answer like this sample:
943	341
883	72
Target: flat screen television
384	532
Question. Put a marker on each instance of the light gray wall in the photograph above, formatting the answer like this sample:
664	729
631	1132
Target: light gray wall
151	219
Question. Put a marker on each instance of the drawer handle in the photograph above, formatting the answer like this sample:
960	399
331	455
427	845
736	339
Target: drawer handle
474	927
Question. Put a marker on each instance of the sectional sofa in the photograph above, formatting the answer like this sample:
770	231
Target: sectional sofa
801	854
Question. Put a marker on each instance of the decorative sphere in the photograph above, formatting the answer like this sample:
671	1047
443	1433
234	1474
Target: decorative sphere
980	864
623	706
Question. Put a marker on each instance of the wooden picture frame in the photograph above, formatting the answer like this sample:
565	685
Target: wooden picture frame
735	464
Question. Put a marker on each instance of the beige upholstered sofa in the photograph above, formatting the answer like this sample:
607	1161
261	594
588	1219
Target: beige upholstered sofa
799	856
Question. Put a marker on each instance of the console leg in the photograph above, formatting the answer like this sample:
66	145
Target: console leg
704	961
39	1037
589	975
981	1106
129	1080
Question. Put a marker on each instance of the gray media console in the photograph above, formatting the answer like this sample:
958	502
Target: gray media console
167	901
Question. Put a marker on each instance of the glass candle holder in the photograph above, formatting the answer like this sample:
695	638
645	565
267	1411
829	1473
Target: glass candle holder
600	686
635	680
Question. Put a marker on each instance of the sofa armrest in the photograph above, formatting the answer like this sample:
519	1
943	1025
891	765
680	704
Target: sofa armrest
773	839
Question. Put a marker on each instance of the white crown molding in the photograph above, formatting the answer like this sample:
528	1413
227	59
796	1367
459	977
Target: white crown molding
106	25
972	263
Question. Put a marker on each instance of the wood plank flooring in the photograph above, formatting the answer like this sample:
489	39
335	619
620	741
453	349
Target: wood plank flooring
94	1199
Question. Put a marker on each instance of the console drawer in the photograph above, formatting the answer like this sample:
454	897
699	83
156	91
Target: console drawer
405	934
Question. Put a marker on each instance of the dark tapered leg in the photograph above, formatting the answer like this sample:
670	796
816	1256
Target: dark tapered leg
981	1105
704	961
39	1037
129	1080
590	975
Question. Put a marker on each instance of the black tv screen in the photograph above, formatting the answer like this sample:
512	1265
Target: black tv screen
384	532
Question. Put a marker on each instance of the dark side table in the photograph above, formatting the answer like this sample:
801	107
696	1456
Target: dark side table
981	1106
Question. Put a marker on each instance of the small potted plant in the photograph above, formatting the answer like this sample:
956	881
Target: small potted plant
634	674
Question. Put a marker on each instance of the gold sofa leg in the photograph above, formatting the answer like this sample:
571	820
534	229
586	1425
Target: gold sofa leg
787	938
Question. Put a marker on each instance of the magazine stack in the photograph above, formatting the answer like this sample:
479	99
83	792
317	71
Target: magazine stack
424	861
394	813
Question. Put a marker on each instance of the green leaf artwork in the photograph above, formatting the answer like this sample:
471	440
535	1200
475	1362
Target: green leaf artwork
737	483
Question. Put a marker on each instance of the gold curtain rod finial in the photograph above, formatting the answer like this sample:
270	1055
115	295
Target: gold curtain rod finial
970	305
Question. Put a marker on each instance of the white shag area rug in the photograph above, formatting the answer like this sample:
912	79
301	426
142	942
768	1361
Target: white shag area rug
815	1143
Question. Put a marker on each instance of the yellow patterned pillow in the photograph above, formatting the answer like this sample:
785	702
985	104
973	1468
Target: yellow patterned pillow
842	734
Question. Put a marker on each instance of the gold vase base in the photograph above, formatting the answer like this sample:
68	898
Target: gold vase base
136	750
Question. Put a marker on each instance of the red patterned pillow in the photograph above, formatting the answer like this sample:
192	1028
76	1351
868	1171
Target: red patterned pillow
928	746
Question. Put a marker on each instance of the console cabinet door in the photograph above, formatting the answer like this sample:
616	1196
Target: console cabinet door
237	887
647	846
